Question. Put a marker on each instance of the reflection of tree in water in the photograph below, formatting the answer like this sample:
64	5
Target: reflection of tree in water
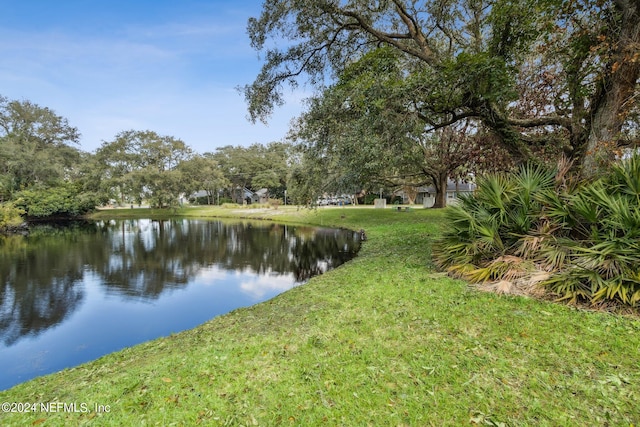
40	276
142	258
328	249
148	257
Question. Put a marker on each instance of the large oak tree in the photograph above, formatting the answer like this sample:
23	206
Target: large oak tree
534	72
139	165
37	147
366	123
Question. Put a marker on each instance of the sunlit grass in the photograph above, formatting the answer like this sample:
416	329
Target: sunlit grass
382	340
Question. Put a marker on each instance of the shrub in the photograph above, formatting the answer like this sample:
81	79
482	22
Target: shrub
602	260
497	221
583	236
10	216
64	200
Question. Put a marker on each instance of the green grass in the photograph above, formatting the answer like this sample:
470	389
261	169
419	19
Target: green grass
382	340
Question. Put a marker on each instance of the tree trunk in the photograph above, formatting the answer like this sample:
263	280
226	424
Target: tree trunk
440	185
411	193
614	97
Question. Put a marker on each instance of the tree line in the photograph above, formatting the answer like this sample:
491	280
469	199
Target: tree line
44	173
408	93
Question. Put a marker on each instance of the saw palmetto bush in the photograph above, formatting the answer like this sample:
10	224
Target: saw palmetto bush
581	240
603	254
492	233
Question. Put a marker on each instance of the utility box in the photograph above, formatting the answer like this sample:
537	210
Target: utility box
380	203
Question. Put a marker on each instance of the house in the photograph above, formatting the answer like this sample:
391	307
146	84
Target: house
246	196
261	196
427	195
243	196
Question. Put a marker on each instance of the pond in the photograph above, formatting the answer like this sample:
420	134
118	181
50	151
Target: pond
74	292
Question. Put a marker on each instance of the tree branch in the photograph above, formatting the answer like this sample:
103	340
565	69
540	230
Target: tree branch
540	121
425	53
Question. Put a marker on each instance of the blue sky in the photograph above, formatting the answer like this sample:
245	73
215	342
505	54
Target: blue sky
170	66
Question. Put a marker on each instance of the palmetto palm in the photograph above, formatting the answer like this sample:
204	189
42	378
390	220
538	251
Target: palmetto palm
584	235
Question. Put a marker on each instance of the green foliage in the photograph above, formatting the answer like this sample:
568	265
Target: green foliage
586	236
495	221
10	216
36	146
486	77
40	169
545	77
603	258
139	165
364	137
255	167
64	200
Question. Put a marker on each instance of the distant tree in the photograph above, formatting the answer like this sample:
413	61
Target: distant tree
236	166
89	176
116	160
140	165
256	166
314	172
36	147
272	168
203	173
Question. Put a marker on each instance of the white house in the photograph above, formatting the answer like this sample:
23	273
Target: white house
427	195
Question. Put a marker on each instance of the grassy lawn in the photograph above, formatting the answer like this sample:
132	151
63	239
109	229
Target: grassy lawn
383	340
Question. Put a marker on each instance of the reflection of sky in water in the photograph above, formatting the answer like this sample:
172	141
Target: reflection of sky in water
258	287
212	292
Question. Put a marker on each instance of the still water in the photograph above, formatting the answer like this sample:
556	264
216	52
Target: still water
72	293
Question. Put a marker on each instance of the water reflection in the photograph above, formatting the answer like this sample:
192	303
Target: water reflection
144	258
71	293
42	274
40	280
